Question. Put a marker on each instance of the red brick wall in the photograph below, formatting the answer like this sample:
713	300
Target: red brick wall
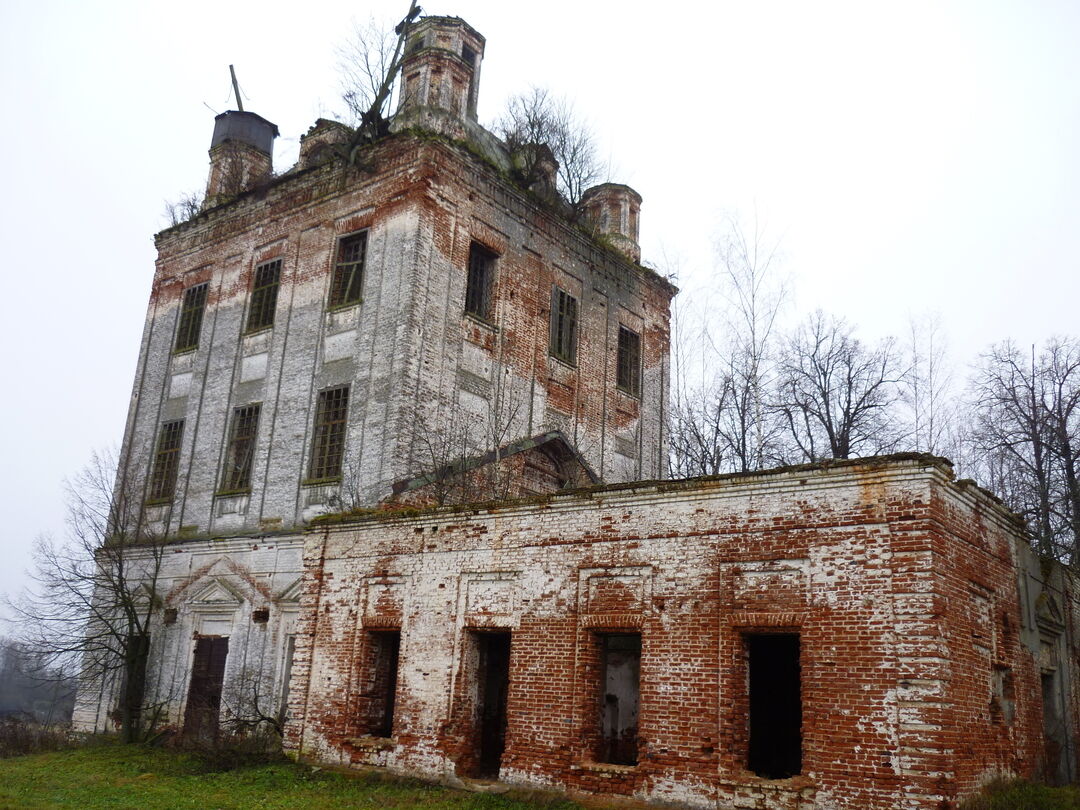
870	563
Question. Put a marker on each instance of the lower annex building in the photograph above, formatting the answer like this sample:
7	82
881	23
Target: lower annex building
864	634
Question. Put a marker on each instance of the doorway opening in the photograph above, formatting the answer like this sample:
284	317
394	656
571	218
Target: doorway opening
775	750
490	655
204	694
378	694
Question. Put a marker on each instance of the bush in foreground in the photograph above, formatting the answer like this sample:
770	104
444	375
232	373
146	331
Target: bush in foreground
1017	795
21	735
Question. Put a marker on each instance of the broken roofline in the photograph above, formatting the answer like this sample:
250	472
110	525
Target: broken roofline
295	177
555	438
830	471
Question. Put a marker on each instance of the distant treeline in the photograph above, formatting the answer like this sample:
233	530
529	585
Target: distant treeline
29	689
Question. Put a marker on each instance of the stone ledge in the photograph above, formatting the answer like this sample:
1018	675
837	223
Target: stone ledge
608	769
372	743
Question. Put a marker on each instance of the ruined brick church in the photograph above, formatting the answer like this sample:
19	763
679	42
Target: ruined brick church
401	422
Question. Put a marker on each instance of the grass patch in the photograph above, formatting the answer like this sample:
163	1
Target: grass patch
118	777
1017	795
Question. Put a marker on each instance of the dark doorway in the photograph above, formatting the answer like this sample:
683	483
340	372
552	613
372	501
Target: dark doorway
204	694
492	685
620	662
775	705
378	694
1055	772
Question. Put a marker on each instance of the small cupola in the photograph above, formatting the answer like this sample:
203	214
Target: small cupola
241	154
440	75
614	211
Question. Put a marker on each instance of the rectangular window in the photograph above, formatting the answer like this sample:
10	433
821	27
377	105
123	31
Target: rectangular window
349	270
775	750
328	447
478	284
241	449
191	315
564	325
628	372
264	294
378	690
166	461
620	668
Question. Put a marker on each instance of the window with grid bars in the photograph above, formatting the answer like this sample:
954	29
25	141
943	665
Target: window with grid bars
564	308
264	296
478	283
166	461
328	445
241	449
349	270
191	315
628	368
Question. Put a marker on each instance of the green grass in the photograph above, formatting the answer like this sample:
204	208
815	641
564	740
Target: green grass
1016	795
118	777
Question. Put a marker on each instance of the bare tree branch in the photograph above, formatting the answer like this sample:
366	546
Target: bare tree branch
835	394
94	594
536	119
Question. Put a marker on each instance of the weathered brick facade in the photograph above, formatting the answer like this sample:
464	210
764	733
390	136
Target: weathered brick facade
865	634
421	369
921	667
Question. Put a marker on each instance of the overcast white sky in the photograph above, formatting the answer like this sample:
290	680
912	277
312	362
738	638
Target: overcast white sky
913	156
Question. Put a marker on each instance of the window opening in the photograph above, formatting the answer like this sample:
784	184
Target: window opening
328	448
204	695
166	461
241	449
349	270
775	750
564	309
264	294
620	665
379	682
628	367
478	283
191	315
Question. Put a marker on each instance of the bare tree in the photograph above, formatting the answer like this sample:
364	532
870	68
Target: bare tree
94	593
252	709
927	385
369	64
460	459
1027	432
835	394
722	420
537	119
183	208
755	293
1061	363
1012	435
363	61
